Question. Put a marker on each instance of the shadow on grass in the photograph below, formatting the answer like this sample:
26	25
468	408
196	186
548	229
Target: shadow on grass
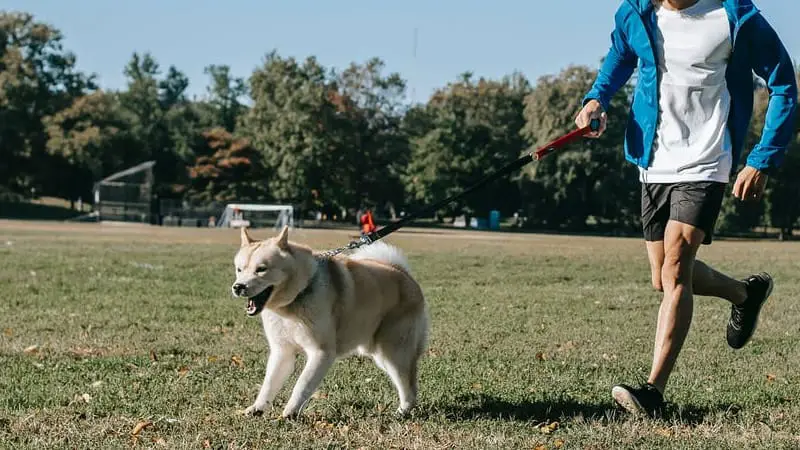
487	407
482	406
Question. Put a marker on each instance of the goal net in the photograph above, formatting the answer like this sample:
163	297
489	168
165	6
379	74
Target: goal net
126	195
237	215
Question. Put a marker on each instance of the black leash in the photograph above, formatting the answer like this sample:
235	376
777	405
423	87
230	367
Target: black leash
505	170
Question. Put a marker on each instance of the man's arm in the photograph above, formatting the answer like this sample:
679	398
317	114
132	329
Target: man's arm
771	61
616	70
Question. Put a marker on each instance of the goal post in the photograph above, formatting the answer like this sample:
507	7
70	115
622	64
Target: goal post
126	195
237	215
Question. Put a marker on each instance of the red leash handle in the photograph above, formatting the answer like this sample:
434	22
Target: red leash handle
566	139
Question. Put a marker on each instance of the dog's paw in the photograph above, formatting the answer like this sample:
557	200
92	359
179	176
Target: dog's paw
402	413
290	414
254	410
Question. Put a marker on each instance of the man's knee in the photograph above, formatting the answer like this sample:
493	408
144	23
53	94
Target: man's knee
677	267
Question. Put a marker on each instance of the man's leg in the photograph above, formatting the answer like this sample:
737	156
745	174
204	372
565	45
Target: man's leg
706	281
681	242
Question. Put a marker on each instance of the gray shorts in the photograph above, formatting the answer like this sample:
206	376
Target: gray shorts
693	203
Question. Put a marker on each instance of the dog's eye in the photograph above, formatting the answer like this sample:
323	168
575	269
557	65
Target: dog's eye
238	270
261	269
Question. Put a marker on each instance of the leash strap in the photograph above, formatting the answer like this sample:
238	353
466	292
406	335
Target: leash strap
505	170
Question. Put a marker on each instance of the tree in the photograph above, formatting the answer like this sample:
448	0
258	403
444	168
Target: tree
371	105
590	178
165	124
233	171
89	139
37	78
297	129
225	93
465	130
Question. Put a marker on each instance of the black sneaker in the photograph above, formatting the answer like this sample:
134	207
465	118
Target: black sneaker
646	400
744	317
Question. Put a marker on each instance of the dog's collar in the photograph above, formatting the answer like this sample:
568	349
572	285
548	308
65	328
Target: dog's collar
310	286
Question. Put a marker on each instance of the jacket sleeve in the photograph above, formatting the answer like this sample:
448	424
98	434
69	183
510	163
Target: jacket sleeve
771	61
617	66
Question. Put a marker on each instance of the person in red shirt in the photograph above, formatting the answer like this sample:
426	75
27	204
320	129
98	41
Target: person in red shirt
367	224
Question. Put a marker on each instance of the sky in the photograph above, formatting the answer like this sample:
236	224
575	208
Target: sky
490	39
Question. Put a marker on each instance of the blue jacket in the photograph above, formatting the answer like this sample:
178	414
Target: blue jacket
756	48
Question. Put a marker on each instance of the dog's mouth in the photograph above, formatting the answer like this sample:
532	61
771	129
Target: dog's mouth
256	303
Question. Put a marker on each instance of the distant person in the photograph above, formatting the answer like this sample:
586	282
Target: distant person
367	223
688	123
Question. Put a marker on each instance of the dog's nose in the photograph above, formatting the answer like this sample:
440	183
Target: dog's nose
239	288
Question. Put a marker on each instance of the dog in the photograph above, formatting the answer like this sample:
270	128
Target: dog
329	308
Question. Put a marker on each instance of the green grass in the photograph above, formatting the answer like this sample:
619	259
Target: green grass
136	324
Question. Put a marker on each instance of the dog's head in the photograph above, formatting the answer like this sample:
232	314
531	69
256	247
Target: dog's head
270	272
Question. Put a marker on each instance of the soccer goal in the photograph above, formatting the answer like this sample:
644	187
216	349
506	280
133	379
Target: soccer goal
126	195
237	215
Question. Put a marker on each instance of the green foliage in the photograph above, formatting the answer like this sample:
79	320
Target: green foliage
37	78
588	178
225	93
466	130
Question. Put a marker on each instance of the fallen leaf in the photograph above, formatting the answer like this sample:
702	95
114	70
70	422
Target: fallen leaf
549	428
771	378
140	426
540	356
212	359
160	441
323	425
318	395
31	349
540	447
8	332
666	432
182	371
153	356
558	443
237	361
206	444
477	386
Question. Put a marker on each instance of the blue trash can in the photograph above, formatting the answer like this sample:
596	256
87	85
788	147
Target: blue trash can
494	220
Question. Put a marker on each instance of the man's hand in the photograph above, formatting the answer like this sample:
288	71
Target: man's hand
592	110
749	184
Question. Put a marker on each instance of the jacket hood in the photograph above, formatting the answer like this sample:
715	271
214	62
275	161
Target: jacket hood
737	9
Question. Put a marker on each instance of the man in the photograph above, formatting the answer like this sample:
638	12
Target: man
367	223
689	117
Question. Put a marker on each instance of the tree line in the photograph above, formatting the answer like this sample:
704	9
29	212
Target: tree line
330	139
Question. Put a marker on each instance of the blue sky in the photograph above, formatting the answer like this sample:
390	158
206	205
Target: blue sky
535	37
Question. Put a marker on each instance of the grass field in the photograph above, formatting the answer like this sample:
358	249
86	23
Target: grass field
127	336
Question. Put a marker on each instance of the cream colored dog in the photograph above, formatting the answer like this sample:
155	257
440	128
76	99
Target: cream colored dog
328	308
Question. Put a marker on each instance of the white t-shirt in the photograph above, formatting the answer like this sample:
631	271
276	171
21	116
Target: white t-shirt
692	140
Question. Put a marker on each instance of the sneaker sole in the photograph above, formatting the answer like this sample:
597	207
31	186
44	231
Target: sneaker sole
626	401
758	314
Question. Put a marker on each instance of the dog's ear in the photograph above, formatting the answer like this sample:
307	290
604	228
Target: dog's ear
246	239
283	239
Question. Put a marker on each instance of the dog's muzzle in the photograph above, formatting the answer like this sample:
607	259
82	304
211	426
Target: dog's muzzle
239	289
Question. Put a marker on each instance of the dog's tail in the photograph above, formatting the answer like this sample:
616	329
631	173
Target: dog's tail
381	251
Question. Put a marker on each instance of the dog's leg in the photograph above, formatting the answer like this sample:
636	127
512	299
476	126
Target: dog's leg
316	367
279	366
403	374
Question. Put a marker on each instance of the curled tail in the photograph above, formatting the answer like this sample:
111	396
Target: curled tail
381	251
